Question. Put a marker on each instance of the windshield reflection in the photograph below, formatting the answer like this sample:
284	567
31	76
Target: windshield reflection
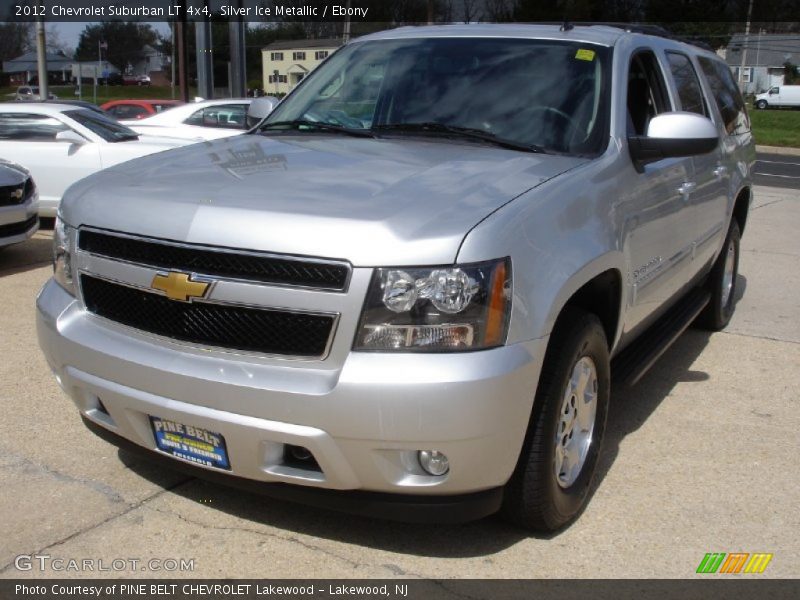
540	94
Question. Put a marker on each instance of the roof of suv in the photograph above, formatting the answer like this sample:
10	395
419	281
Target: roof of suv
598	34
602	34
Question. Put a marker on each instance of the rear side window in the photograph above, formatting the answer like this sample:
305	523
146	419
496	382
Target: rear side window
128	111
29	127
726	95
689	91
225	116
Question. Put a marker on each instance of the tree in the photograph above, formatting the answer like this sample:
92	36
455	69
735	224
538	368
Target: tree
16	38
126	41
791	76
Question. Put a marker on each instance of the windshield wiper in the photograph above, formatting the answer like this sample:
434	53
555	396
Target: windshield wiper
126	137
298	124
464	132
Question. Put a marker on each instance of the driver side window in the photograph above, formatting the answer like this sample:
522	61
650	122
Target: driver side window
647	93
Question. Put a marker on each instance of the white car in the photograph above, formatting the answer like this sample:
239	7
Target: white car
28	93
60	144
18	204
204	120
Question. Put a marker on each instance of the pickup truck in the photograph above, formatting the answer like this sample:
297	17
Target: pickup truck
405	292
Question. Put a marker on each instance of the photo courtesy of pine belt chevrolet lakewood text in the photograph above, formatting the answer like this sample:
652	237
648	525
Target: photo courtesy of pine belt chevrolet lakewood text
404	293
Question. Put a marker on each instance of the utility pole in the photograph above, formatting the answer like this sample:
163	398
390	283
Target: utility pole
41	54
181	40
172	61
237	74
744	51
346	31
205	58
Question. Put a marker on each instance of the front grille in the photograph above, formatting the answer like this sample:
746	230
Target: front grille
18	228
18	193
216	262
227	326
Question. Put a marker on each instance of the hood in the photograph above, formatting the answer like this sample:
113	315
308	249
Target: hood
160	142
11	173
397	201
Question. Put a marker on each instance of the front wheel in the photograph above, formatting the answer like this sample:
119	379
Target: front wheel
556	467
761	104
722	284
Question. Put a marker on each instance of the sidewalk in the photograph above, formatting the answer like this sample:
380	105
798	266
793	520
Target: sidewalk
778	150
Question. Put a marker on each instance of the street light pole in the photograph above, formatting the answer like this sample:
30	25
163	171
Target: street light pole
41	54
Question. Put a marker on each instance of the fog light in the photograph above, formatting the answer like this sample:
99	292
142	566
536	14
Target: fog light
434	462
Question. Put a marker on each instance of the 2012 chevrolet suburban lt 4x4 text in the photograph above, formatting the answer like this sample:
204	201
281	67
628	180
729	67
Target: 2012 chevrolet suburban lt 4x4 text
404	293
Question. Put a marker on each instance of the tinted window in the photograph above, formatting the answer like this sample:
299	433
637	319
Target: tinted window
647	94
551	94
726	95
29	127
689	91
109	130
226	116
128	111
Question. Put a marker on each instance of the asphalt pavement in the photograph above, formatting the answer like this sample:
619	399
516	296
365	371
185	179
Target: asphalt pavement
700	456
777	170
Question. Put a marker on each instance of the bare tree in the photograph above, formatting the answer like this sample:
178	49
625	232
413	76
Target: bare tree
16	38
471	11
500	10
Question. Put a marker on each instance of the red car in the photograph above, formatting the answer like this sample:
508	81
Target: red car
137	109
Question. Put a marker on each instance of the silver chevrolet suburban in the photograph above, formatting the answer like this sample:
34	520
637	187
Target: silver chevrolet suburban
406	291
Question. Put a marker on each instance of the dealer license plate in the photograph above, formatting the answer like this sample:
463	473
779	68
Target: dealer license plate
190	443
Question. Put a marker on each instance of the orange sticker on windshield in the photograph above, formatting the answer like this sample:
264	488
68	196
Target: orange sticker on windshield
584	54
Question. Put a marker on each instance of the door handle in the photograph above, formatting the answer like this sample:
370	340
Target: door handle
686	188
720	171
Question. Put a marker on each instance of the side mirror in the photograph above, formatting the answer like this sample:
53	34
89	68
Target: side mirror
259	109
772	92
673	135
71	137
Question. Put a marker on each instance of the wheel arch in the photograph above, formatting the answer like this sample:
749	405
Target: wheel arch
598	289
741	207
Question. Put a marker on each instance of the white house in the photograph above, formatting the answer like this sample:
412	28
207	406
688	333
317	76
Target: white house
286	63
765	55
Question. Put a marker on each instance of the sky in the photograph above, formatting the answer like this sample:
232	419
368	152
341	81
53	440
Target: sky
69	33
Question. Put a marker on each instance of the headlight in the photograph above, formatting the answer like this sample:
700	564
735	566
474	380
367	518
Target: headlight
437	309
63	240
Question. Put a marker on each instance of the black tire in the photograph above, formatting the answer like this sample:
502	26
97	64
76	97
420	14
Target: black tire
761	104
720	309
533	498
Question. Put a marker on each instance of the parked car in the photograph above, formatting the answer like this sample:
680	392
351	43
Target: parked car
61	144
135	80
779	96
203	120
408	299
30	93
19	203
137	109
77	103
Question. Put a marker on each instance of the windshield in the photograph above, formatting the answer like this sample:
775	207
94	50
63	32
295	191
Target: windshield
545	94
109	130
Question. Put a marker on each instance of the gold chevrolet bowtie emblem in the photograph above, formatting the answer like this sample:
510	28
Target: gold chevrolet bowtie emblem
178	286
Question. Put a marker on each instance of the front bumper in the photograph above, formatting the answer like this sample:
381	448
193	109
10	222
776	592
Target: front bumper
18	223
363	422
48	207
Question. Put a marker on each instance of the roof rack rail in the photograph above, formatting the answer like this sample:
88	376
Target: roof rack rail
644	28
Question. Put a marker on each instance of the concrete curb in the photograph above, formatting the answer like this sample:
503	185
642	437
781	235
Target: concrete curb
778	150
